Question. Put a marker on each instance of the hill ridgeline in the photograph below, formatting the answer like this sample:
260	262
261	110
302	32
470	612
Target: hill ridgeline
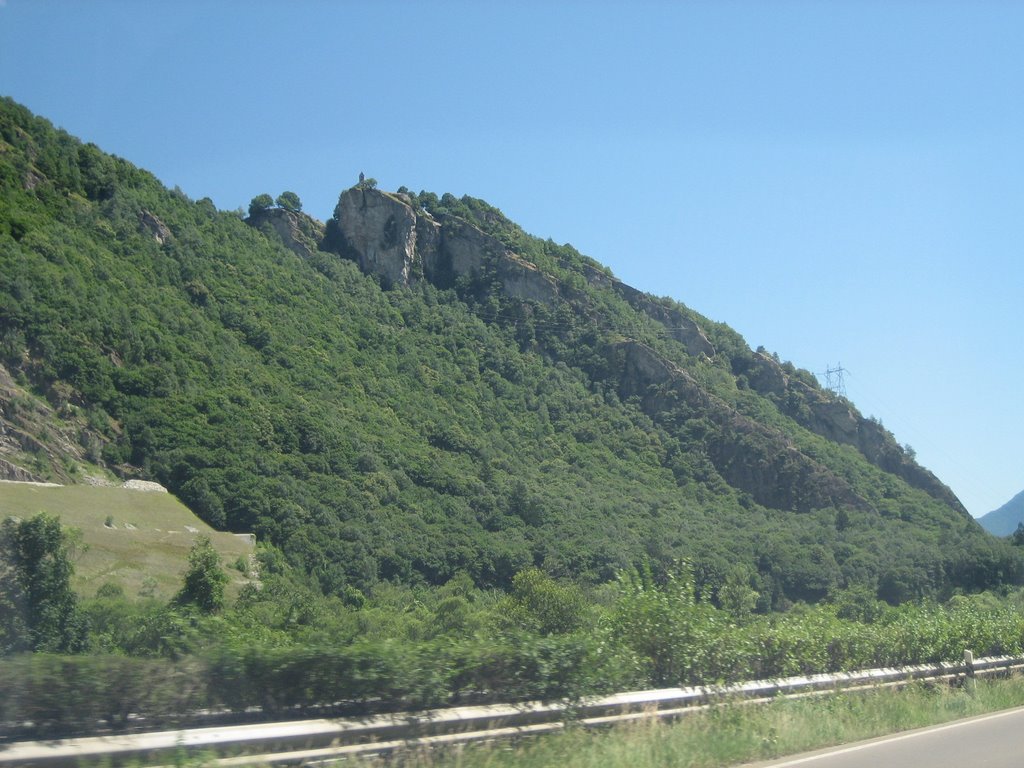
417	388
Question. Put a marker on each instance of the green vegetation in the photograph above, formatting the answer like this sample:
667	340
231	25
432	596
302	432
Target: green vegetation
732	735
38	610
289	201
260	203
460	495
138	542
413	434
204	579
287	649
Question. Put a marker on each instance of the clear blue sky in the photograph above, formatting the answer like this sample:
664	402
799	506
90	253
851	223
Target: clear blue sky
841	182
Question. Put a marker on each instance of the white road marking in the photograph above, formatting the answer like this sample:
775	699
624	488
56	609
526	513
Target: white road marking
891	739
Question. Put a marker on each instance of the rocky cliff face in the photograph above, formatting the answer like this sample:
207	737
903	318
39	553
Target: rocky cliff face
150	224
749	456
834	418
378	231
678	325
299	233
387	237
42	439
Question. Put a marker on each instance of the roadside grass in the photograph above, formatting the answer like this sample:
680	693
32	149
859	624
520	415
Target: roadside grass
734	734
135	539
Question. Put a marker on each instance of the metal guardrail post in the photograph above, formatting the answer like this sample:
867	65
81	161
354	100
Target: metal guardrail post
972	681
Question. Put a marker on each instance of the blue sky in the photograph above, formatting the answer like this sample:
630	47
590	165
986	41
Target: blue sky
841	182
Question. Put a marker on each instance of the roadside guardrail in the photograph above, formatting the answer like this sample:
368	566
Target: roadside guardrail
308	742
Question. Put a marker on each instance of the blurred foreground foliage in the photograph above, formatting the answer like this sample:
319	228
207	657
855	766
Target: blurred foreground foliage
292	651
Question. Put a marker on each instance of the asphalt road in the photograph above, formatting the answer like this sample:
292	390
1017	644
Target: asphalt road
988	741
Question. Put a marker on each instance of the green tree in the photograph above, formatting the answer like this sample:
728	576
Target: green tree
289	201
39	611
260	203
663	624
736	596
543	605
204	581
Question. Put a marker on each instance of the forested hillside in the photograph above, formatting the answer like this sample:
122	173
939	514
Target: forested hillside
488	402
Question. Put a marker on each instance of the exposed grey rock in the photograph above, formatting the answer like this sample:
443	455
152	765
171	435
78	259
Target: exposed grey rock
598	278
300	233
766	376
428	245
834	418
13	473
679	326
32	431
379	231
151	224
522	280
749	456
32	179
146	486
465	248
387	237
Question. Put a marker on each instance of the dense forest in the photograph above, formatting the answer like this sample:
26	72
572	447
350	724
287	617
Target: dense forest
478	466
372	432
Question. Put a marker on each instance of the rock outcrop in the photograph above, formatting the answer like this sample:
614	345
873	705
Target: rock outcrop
13	473
834	418
35	434
150	224
301	234
838	421
748	455
679	326
378	231
522	280
387	237
766	376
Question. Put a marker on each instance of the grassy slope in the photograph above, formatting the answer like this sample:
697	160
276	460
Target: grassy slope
148	538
